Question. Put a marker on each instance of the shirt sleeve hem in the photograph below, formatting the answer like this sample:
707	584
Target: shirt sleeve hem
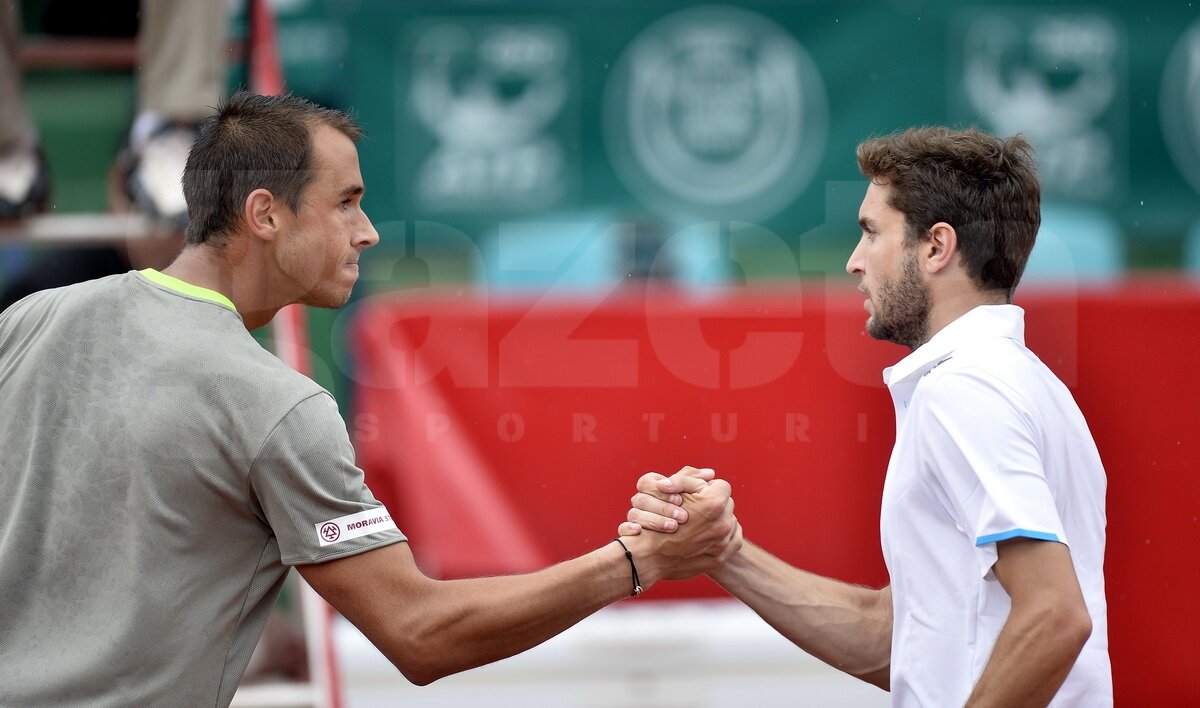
1016	533
387	540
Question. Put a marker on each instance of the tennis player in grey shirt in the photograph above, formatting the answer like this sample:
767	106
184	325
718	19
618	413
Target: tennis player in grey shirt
162	472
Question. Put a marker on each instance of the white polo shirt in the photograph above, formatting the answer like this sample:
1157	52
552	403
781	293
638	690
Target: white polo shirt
990	445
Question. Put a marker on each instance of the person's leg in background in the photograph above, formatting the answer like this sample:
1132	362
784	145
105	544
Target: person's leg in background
182	45
181	77
24	183
184	53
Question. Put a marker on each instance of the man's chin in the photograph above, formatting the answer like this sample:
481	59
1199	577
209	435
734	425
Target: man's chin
880	331
874	329
326	300
886	334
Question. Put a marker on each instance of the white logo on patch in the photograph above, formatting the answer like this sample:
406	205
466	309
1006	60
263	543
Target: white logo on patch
490	95
1057	78
351	526
716	110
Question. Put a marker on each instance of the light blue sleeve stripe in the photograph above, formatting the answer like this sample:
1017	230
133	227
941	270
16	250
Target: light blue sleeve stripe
1015	533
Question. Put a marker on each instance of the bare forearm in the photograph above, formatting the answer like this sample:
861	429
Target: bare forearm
846	626
463	624
1047	626
430	628
1032	657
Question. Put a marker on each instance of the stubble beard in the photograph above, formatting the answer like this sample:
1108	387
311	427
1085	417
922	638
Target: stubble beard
326	297
902	308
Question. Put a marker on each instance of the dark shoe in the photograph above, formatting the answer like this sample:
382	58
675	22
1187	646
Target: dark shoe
24	182
152	172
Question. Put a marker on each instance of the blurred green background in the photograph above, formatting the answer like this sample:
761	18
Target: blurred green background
879	66
559	144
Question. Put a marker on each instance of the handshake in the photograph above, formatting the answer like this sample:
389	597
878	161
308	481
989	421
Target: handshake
680	526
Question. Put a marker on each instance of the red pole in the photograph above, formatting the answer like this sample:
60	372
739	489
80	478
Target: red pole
290	334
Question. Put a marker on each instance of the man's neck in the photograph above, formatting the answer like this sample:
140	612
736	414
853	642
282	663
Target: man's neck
947	307
233	274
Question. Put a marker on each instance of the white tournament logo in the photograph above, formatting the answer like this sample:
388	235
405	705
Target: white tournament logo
1180	105
356	525
716	111
1058	79
489	94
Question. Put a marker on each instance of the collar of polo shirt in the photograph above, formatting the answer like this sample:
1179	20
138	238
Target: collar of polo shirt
1006	320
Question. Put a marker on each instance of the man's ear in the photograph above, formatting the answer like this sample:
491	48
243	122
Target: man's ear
941	247
261	211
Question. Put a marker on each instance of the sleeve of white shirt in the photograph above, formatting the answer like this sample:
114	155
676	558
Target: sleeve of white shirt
981	443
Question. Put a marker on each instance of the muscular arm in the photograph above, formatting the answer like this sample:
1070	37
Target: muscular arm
1045	630
432	628
847	626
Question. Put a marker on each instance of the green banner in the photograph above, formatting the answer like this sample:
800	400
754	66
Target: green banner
479	113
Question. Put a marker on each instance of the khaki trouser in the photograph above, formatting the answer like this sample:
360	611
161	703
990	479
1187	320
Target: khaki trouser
181	68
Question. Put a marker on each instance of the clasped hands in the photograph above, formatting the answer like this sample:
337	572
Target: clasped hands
681	526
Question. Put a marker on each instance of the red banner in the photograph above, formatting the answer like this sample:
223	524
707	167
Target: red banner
507	434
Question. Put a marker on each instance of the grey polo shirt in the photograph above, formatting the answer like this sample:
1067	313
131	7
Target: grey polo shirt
160	472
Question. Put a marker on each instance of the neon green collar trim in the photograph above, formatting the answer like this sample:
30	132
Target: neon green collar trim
186	288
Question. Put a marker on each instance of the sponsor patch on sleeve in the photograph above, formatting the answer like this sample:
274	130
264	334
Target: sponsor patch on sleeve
357	525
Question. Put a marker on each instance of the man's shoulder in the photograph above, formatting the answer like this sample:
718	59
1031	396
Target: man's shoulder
242	365
976	374
994	359
81	292
202	346
990	376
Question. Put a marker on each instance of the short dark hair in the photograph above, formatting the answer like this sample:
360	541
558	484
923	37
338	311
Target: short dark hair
986	187
252	142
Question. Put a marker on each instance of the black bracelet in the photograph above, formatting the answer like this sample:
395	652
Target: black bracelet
637	584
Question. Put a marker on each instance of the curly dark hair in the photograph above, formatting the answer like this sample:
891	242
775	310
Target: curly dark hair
986	187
